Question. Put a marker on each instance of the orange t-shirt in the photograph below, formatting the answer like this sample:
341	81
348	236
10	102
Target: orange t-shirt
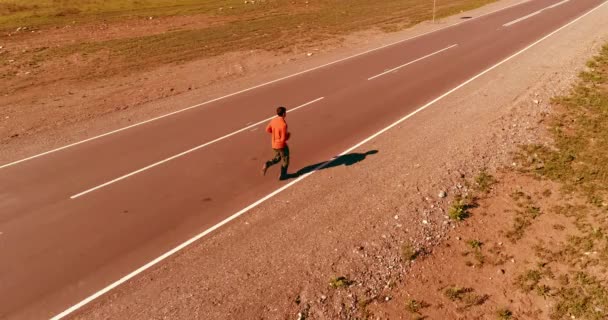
278	131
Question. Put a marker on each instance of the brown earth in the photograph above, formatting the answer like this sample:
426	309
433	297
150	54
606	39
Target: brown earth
491	271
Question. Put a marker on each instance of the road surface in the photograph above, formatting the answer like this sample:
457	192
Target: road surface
75	220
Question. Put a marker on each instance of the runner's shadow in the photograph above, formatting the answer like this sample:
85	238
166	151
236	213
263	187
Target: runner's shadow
347	160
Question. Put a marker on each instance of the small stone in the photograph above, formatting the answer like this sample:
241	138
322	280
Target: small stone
396	217
536	101
425	222
442	194
323	298
309	54
387	298
512	260
458	238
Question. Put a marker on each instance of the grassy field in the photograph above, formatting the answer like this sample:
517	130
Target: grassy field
15	13
55	12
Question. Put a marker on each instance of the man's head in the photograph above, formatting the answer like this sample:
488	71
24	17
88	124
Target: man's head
281	112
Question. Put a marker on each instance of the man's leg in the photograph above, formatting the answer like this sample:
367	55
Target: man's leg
275	160
285	163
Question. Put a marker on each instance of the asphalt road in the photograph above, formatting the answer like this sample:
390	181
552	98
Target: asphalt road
75	220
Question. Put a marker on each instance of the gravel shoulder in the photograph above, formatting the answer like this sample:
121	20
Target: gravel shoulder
277	262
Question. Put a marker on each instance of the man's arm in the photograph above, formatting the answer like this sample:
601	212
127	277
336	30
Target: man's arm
282	134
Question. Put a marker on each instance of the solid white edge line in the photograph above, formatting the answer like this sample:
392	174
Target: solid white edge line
411	62
255	204
259	86
185	152
508	24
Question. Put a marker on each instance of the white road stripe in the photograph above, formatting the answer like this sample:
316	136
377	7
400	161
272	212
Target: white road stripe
257	86
534	13
558	4
274	193
156	164
411	62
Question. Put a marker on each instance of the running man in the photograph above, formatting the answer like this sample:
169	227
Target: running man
278	131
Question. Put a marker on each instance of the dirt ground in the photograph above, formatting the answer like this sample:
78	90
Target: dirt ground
374	240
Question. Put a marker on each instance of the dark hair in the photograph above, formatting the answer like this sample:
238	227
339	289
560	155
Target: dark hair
281	111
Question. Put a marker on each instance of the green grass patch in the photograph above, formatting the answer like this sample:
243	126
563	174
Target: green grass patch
459	210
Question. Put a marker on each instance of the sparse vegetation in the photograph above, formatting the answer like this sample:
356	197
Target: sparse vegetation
504	314
578	159
528	280
414	306
408	252
459	210
340	282
484	181
466	296
477	254
579	162
474	244
527	211
584	298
